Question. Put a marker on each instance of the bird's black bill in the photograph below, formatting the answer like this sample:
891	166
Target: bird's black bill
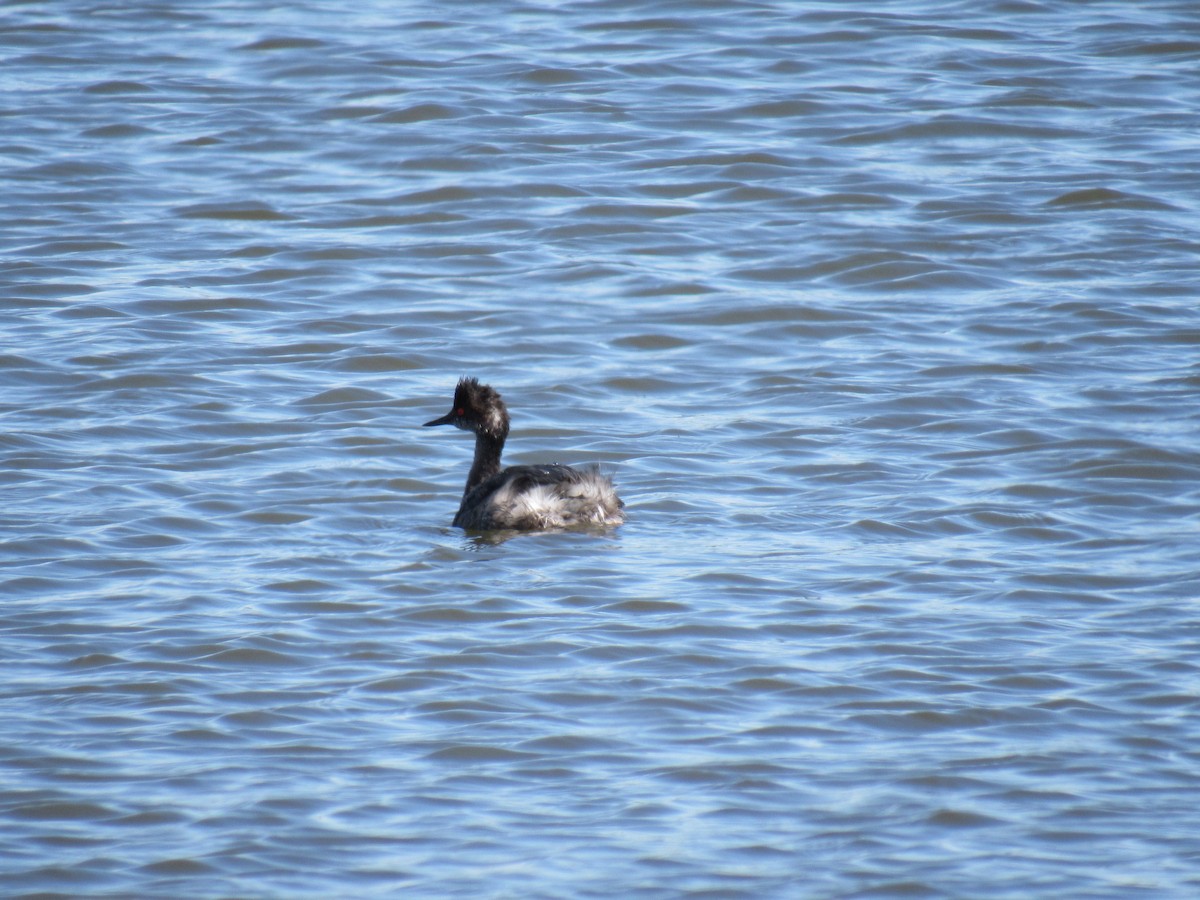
447	419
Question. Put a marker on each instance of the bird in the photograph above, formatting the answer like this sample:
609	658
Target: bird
521	498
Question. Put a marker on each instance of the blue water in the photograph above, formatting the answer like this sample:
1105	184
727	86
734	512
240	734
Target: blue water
885	320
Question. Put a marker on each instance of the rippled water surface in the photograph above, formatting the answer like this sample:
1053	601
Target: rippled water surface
883	317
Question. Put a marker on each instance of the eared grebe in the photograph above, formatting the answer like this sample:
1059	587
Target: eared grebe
528	498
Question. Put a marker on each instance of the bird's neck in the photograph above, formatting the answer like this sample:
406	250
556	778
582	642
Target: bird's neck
488	448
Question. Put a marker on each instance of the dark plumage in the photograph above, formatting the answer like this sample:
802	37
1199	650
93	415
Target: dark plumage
527	498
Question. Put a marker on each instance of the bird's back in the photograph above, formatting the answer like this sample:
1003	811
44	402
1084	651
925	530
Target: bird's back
541	497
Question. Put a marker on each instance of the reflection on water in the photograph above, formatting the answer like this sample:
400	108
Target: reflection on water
884	320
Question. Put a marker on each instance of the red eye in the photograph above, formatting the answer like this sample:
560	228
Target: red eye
459	411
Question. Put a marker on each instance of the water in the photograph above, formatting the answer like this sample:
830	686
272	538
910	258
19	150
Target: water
883	317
